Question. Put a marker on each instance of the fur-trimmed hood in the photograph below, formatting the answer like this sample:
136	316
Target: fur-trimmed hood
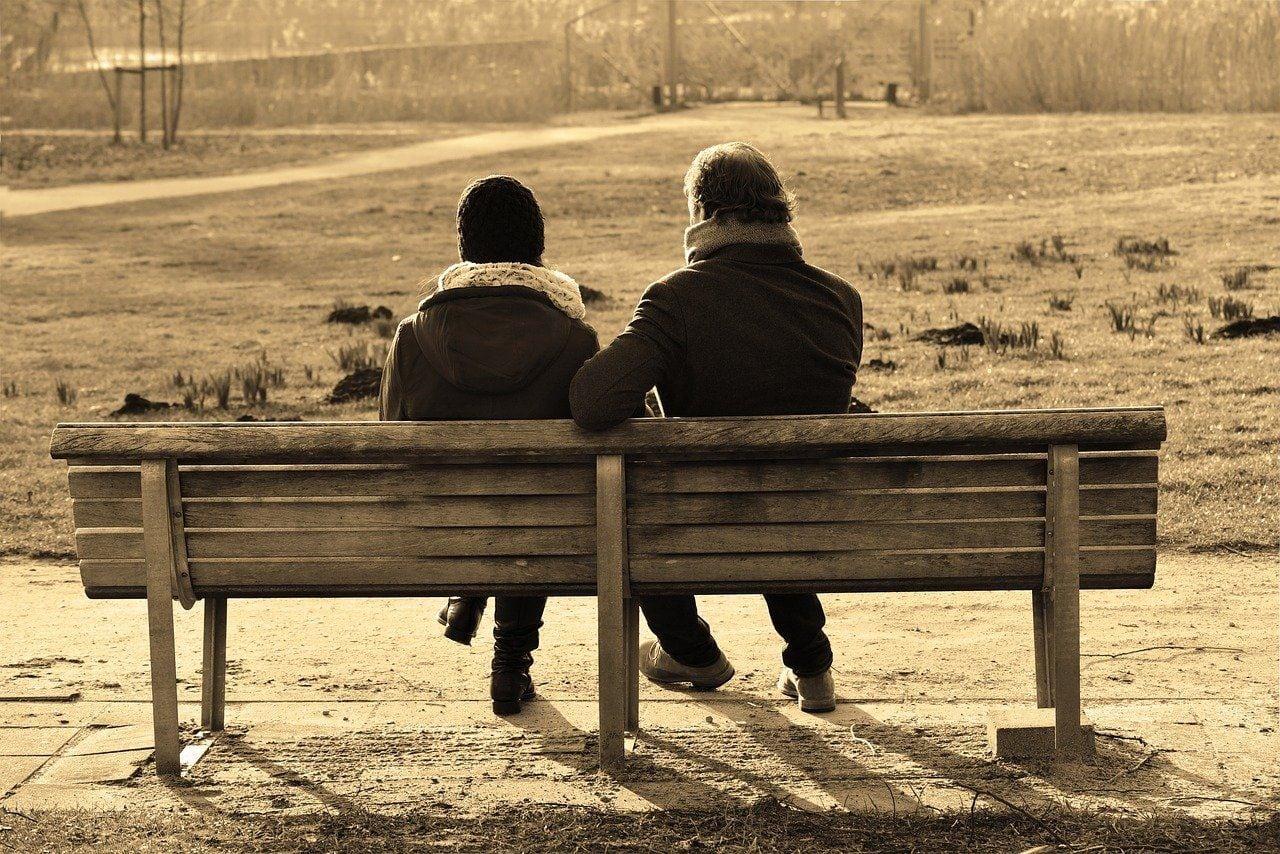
561	290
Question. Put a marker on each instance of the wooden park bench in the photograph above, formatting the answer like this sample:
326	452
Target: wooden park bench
1047	501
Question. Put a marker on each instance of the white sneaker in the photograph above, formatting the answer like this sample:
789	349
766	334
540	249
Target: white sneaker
815	693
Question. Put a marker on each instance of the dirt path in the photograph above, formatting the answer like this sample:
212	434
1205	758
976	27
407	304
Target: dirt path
361	703
16	203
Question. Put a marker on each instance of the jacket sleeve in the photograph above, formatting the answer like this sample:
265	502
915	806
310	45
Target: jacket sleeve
611	386
391	398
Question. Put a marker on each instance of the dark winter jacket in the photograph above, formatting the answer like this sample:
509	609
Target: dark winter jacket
750	329
484	353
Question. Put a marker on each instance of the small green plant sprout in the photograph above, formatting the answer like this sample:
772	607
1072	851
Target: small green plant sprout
1061	303
1237	279
1229	308
957	285
1193	329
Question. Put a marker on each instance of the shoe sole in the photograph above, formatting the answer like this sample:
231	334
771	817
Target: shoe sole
701	684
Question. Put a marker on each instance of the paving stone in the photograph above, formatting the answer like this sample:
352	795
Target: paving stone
34	740
1025	733
15	769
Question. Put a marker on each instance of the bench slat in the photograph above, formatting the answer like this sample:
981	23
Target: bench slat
874	536
983	570
876	473
402	481
125	544
672	509
127	578
979	569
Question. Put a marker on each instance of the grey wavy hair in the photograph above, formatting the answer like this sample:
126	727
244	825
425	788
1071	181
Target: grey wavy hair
734	179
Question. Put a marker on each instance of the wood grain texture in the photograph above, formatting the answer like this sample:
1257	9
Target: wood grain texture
1101	568
401	481
1062	577
446	511
651	508
612	603
213	675
834	474
874	536
388	440
353	544
833	506
159	562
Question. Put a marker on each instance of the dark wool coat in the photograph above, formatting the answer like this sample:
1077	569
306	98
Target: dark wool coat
749	330
484	353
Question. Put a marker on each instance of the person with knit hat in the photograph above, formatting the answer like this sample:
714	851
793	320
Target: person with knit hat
498	335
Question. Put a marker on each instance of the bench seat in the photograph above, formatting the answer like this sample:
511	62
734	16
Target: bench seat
1048	501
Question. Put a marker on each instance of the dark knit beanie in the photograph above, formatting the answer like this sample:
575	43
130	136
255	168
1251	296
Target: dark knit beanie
499	220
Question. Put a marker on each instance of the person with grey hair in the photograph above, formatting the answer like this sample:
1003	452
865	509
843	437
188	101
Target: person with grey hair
747	327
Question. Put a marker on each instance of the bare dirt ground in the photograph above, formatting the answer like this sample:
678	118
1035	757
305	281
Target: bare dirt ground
360	704
355	705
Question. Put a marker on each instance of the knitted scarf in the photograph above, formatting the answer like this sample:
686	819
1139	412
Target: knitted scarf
703	238
556	286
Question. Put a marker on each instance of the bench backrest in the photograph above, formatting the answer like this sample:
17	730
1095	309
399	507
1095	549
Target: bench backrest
933	501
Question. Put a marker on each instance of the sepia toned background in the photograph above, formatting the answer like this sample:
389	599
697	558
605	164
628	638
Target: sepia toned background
1042	203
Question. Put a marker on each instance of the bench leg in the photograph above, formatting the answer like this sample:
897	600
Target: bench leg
164	672
213	688
614	692
632	640
1042	617
1062	558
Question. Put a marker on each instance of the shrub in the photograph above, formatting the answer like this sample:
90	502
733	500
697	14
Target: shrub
219	385
359	356
1237	279
1061	303
11	388
67	393
1175	294
1057	346
1123	316
1193	329
1230	308
999	338
958	285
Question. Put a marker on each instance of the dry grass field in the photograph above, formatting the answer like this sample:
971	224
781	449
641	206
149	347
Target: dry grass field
1014	224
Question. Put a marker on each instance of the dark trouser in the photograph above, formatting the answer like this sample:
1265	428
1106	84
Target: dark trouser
516	620
686	637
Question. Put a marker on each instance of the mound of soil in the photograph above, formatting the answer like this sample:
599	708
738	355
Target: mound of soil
357	385
136	404
357	314
1249	327
591	295
952	336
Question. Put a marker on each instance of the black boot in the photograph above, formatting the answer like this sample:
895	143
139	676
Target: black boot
510	684
461	617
